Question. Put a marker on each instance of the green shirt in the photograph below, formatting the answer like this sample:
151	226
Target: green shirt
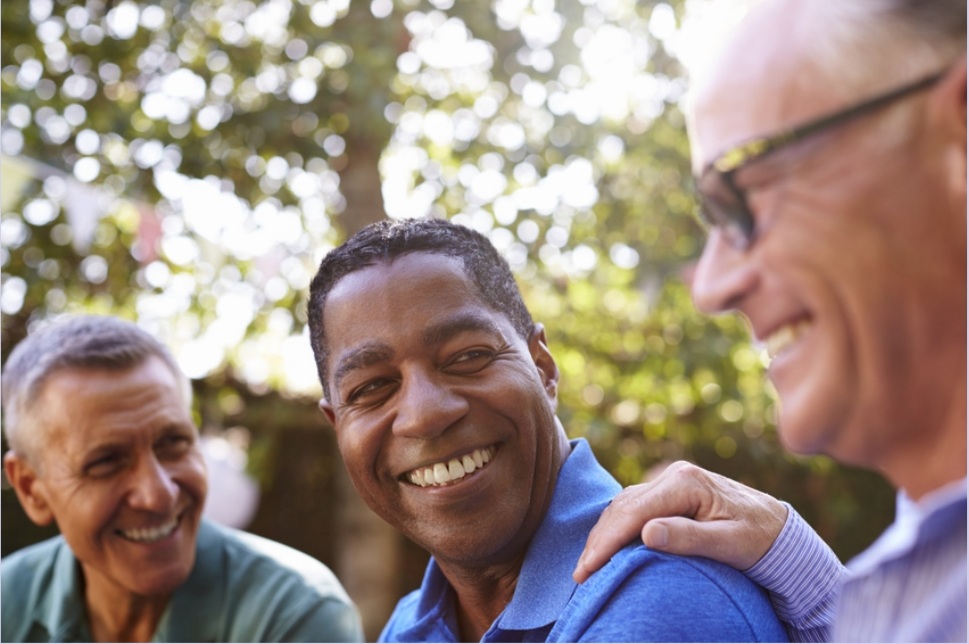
243	588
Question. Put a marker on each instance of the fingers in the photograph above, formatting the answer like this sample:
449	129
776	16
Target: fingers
719	540
623	520
618	525
687	511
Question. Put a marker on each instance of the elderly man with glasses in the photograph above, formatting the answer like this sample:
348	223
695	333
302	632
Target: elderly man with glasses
829	144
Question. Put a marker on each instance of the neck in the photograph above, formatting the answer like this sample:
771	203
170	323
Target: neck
481	595
117	615
483	590
939	457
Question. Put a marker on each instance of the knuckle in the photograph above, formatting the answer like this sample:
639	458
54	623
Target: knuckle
626	500
684	470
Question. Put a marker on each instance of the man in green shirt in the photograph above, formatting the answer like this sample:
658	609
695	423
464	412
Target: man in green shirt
102	442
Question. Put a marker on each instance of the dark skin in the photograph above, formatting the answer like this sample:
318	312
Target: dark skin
422	373
481	598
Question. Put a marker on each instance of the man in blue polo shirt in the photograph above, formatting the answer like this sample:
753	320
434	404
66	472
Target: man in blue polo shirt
442	392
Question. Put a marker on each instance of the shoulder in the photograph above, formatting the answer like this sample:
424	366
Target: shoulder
33	565
644	595
30	586
405	615
426	614
252	553
264	577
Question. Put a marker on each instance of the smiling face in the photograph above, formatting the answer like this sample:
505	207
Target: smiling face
120	473
444	414
856	279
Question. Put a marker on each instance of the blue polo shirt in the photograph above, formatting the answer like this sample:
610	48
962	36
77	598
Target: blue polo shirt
639	596
243	588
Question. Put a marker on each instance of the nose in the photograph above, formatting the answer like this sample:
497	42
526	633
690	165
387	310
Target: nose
427	405
153	488
724	275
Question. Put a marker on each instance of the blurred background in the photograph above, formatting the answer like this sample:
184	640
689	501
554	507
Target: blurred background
186	164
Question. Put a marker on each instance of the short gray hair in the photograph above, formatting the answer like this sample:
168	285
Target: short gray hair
857	48
880	43
81	342
867	45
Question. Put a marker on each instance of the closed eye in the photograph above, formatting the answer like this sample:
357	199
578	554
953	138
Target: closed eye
104	465
370	392
471	361
173	445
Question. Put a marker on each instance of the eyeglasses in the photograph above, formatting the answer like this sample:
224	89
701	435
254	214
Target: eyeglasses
724	205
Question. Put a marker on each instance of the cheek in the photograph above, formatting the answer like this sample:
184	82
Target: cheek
85	514
360	447
191	471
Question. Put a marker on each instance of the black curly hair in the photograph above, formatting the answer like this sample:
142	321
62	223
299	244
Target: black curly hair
385	241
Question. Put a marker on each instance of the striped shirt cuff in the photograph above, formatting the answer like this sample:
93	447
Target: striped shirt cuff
803	577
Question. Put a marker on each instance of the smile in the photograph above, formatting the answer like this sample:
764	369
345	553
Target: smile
150	535
441	474
785	336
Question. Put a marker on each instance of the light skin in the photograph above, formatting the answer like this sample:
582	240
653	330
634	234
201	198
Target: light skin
120	472
861	248
422	371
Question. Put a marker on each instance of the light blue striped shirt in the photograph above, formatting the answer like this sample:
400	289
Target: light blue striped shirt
909	586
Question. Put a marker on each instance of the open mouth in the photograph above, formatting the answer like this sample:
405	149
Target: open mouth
452	471
153	534
785	336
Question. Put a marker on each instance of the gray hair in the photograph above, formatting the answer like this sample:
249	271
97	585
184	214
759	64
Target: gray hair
82	342
872	46
876	44
854	48
857	44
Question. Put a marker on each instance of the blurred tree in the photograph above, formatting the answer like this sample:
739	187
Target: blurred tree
187	163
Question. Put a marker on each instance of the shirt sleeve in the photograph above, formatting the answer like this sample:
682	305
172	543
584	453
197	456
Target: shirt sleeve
803	578
325	620
648	596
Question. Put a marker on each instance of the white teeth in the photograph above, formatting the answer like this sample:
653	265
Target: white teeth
147	535
785	336
453	470
441	474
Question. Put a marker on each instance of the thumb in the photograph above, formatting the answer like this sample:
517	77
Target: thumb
712	539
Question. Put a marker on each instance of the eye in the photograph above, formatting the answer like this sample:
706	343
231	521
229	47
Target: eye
104	465
173	445
471	361
370	392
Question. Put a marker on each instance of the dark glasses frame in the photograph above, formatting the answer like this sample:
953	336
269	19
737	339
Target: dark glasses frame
723	204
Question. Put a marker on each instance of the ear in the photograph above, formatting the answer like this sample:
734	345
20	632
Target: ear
327	410
954	90
29	488
949	113
542	357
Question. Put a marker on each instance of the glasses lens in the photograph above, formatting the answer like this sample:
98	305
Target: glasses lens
723	207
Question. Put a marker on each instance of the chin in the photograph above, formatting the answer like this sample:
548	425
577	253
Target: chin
799	435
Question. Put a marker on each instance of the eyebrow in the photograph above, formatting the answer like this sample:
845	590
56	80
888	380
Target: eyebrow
447	329
370	353
375	352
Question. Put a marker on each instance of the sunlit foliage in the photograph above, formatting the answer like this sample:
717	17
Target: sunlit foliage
186	165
